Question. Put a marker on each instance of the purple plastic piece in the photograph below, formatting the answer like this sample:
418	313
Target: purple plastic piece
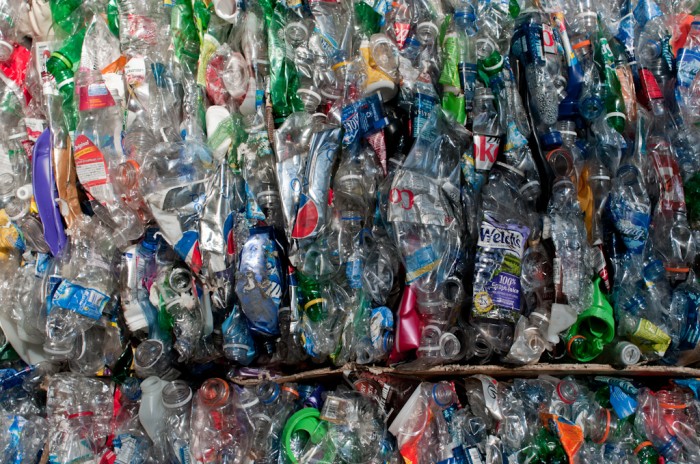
45	194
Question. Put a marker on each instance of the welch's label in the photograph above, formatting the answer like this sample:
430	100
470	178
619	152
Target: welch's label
500	250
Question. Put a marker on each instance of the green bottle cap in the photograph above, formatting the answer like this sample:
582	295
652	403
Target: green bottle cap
307	420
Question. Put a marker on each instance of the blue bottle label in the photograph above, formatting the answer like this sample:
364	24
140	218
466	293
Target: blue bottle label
85	301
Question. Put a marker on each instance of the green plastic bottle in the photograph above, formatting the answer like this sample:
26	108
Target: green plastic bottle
67	15
645	452
311	295
62	65
614	102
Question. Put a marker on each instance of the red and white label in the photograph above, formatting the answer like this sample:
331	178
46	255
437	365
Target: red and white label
485	151
548	43
135	71
91	168
94	97
401	33
651	87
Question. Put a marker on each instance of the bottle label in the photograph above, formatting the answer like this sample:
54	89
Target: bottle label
34	128
423	106
401	32
135	71
381	321
91	167
141	29
467	78
529	43
363	118
549	45
672	197
623	404
125	446
94	97
688	66
485	151
500	249
474	455
650	338
336	409
515	140
418	199
653	92
420	262
645	11
85	301
489	386
353	272
690	336
632	221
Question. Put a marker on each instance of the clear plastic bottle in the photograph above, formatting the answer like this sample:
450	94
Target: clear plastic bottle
98	155
78	300
177	399
503	235
487	130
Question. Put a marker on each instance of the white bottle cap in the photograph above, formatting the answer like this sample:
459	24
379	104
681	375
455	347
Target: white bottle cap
386	88
25	192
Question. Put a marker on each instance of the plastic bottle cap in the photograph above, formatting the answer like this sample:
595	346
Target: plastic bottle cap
428	25
552	140
306	420
25	192
386	88
449	345
630	354
498	64
309	92
510	168
136	322
297	30
180	403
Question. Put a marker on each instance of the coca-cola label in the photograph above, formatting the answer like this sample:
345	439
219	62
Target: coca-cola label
401	32
548	43
485	151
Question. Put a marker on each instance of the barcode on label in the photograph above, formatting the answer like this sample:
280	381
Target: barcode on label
474	456
95	298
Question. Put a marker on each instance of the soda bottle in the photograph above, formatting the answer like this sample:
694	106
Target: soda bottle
487	130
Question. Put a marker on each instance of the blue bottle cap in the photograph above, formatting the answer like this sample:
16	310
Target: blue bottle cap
551	140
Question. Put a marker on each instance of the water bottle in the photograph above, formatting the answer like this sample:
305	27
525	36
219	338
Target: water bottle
177	400
82	291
